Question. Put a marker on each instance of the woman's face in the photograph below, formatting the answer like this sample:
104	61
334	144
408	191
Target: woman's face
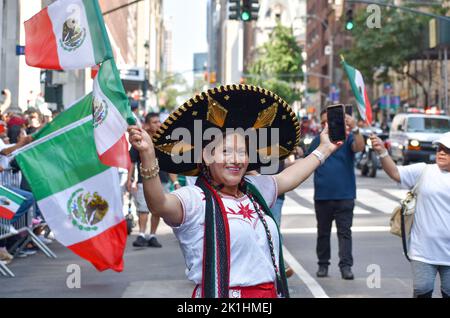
443	158
228	160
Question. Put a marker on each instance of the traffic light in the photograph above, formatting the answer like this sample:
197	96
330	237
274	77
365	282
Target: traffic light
249	10
349	24
234	9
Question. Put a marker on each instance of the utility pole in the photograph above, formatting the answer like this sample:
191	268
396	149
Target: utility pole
446	79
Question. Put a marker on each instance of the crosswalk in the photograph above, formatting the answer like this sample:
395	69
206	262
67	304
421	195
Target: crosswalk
301	201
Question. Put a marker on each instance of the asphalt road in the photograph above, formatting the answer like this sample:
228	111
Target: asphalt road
380	268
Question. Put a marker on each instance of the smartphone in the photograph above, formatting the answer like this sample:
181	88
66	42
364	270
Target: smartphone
349	109
336	123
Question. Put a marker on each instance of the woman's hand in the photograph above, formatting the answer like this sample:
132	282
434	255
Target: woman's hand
140	140
377	144
325	143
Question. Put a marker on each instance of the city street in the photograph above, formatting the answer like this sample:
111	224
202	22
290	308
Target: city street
160	272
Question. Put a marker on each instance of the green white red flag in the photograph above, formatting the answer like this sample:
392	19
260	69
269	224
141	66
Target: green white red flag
112	114
79	196
359	90
68	34
10	202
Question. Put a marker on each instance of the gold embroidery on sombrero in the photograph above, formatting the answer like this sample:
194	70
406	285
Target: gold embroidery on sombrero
178	147
216	113
266	116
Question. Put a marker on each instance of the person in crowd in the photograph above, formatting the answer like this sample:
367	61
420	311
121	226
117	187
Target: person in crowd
230	241
429	242
135	187
334	198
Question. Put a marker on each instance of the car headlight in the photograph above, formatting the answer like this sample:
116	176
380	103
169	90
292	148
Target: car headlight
414	143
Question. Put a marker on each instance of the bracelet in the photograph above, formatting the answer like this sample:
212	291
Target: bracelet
384	154
150	173
319	156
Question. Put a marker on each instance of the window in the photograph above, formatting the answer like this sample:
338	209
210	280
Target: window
428	124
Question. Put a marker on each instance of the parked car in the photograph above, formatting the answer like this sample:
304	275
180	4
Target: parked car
412	137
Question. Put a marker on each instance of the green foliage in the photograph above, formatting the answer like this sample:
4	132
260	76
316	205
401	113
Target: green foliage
170	87
278	64
388	48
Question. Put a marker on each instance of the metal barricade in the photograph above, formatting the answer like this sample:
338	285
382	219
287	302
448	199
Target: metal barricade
22	226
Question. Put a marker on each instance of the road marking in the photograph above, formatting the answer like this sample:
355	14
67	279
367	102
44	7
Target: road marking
376	201
291	207
298	210
313	286
357	229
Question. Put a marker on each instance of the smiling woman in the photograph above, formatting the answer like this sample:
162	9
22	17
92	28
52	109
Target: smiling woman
428	249
230	241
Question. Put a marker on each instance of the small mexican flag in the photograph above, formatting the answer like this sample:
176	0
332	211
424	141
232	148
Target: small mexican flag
68	34
112	114
10	202
78	195
360	92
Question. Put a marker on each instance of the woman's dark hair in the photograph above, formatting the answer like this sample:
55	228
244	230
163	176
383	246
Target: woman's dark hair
13	133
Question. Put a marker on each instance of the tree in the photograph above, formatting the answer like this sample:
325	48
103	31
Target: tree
278	65
393	47
169	88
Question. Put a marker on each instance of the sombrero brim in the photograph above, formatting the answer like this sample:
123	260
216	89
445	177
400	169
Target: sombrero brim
230	106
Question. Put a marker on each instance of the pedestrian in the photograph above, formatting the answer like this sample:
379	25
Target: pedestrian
227	234
135	187
334	199
429	242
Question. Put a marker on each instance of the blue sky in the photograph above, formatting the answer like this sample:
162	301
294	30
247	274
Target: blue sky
189	31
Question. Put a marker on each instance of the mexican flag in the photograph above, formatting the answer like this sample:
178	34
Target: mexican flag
78	195
360	92
68	34
112	114
9	203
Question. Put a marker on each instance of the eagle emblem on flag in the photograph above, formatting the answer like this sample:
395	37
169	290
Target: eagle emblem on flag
73	35
100	111
86	210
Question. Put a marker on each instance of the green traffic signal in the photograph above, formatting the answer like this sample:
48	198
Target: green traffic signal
349	25
245	16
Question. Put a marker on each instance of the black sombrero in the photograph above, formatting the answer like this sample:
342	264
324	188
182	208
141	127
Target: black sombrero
230	106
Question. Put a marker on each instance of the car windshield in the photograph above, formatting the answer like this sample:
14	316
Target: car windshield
427	124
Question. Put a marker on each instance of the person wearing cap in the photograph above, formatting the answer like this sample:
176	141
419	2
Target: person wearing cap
429	245
229	238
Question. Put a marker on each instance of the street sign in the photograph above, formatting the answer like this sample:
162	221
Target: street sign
132	74
334	94
20	50
392	101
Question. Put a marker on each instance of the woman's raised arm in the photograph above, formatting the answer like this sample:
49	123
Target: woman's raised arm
159	203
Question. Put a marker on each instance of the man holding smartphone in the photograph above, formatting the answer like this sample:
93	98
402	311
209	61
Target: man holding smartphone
334	196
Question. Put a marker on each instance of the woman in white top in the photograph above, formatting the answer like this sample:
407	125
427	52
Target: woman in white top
429	244
230	242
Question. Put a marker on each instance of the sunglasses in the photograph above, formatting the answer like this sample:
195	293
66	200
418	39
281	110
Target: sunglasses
444	149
